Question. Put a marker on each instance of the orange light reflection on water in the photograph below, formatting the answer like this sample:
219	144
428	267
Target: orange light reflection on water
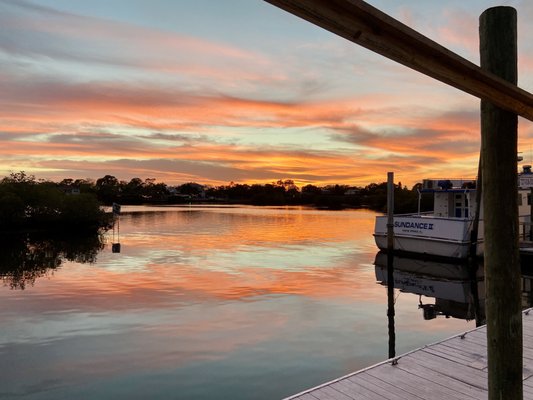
234	290
232	256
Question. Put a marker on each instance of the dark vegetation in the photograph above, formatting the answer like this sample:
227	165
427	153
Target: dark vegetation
28	204
283	192
24	257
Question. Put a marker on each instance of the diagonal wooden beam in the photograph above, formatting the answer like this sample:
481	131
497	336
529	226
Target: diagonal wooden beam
367	26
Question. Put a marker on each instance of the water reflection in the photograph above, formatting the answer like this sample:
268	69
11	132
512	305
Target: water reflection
444	289
27	257
456	292
208	303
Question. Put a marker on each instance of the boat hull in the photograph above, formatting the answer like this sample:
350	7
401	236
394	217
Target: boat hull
428	235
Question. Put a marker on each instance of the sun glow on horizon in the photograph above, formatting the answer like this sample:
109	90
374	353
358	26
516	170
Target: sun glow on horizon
89	91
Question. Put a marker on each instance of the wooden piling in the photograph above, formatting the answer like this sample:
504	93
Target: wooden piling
530	230
498	50
473	264
390	264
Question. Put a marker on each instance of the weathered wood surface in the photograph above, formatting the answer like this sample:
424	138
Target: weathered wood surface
367	26
455	368
499	146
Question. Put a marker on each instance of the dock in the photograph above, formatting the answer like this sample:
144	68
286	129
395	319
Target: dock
455	368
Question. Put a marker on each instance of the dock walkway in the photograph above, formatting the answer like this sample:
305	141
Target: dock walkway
455	368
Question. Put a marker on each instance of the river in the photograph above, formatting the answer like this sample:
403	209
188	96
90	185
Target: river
203	303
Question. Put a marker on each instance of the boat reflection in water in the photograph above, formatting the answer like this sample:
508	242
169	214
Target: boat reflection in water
457	290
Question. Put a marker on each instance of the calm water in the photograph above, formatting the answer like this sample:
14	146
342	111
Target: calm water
203	303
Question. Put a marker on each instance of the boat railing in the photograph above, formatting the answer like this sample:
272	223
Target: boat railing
447	184
424	213
427	214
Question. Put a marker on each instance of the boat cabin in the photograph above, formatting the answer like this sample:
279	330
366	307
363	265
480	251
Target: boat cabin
525	188
456	198
452	198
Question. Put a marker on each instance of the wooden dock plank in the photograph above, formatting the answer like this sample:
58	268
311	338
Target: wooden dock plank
306	396
328	393
527	341
353	390
398	379
464	390
528	391
453	369
413	384
528	381
468	345
467	358
376	386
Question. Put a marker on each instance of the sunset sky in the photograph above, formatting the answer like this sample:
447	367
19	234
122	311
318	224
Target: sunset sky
214	91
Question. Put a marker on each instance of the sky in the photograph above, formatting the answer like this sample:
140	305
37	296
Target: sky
219	91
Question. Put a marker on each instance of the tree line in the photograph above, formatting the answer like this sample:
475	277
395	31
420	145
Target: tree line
29	203
109	189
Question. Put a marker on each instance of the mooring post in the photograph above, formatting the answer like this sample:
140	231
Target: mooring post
390	264
498	51
530	230
390	211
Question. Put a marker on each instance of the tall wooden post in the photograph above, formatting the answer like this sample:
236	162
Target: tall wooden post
530	230
498	50
390	264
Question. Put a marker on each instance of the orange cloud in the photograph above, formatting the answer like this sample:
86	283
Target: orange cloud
171	127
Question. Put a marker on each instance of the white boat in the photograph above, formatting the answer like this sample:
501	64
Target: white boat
446	231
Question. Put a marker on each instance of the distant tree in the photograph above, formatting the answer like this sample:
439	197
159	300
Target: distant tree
19	177
337	190
135	183
311	189
108	180
191	188
107	189
155	192
67	182
86	185
132	192
287	184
